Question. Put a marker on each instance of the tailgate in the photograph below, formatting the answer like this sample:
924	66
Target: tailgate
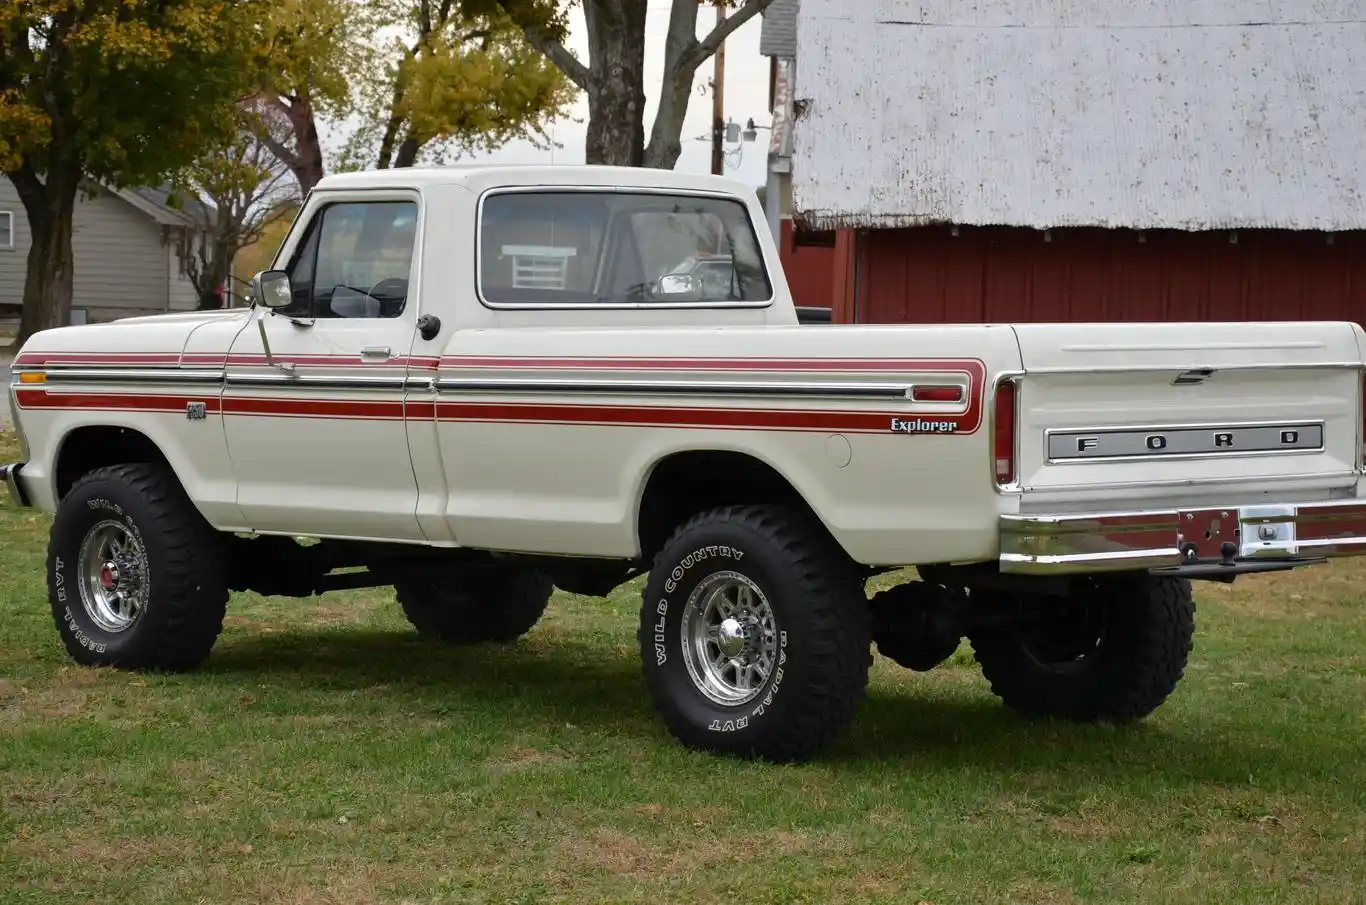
1188	404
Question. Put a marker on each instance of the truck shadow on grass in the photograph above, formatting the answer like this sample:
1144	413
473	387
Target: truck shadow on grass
597	687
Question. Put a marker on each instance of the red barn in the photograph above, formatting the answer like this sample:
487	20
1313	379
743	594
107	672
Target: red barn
1072	160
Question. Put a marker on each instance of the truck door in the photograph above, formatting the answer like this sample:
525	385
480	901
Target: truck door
314	414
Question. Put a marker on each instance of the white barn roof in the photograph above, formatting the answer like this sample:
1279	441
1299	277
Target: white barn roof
1147	114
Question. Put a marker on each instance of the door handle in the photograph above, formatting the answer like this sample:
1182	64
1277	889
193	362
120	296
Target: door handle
379	352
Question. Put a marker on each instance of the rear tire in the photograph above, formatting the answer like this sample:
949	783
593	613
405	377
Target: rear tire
136	576
1117	658
499	607
755	635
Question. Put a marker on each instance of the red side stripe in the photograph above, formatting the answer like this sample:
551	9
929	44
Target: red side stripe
972	366
537	413
648	416
42	399
313	408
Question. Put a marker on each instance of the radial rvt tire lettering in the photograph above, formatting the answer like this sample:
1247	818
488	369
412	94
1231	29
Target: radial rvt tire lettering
136	576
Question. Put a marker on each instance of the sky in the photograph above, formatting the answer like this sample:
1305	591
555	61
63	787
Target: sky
746	96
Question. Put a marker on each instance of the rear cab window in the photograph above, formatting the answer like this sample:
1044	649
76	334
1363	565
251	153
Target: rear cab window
603	248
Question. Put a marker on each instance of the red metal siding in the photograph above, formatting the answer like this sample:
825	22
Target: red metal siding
999	274
809	269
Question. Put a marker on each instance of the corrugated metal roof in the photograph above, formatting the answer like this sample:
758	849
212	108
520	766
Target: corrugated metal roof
778	34
1187	114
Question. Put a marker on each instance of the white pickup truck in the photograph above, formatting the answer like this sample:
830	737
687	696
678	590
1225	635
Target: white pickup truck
478	383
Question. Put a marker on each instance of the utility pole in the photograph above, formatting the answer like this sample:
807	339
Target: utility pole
718	100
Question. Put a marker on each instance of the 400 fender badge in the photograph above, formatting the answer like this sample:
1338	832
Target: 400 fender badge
923	426
196	411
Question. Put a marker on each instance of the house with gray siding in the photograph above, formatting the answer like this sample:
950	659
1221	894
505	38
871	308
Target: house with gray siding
125	248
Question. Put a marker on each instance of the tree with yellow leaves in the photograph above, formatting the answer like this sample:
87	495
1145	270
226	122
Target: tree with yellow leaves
451	84
313	54
119	91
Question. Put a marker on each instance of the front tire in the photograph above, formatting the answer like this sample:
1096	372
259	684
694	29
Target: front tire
497	607
755	635
136	576
1116	653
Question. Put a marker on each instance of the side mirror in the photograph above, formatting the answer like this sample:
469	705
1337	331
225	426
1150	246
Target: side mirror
681	286
271	289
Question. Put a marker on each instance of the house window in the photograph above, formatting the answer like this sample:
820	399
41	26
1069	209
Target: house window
7	230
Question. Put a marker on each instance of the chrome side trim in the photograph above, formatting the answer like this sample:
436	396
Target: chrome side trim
1246	366
900	392
1256	480
138	375
17	495
317	382
1166	538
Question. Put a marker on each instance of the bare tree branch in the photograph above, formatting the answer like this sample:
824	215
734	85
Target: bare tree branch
708	46
558	54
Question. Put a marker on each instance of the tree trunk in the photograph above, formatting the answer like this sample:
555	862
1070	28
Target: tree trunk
307	161
616	87
50	276
666	135
215	274
407	152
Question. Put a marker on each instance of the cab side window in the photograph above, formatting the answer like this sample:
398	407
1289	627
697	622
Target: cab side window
355	261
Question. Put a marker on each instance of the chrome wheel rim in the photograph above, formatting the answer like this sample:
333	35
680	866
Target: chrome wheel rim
113	571
730	638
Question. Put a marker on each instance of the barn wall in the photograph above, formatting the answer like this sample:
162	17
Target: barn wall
928	275
809	270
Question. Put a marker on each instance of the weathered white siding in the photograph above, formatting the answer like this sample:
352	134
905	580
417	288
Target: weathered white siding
13	261
778	35
1186	114
122	265
119	255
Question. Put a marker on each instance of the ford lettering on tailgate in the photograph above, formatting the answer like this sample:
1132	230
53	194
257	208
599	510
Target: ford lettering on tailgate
1184	441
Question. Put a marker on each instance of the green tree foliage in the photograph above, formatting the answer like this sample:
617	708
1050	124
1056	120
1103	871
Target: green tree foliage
312	54
451	84
614	75
124	92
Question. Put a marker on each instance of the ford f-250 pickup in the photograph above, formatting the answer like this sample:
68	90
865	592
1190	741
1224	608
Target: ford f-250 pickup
478	383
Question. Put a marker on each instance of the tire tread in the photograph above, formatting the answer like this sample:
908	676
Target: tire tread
500	609
1154	623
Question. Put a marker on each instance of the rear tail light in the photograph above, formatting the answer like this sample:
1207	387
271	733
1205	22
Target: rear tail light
1003	430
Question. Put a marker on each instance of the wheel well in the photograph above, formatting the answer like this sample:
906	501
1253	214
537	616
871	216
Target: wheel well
87	448
687	483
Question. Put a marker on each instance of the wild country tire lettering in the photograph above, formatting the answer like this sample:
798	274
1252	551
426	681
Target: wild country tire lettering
101	503
671	585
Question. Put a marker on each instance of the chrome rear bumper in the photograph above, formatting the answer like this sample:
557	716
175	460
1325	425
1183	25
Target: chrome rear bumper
1228	539
16	489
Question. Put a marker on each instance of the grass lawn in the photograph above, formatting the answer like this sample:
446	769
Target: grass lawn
325	755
